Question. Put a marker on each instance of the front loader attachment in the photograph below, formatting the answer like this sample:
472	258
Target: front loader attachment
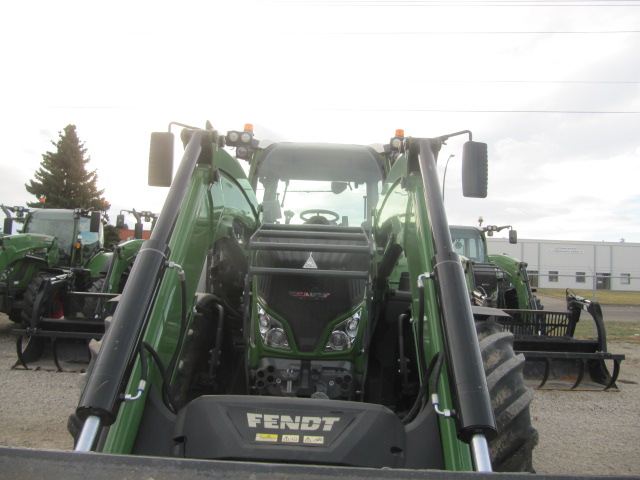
555	358
55	335
24	463
64	310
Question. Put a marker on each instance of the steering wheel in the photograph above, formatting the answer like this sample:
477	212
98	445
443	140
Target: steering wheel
306	215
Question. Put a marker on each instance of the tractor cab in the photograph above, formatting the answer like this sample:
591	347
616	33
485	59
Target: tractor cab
469	242
79	233
321	184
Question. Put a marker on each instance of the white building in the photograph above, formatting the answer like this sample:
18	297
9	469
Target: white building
576	264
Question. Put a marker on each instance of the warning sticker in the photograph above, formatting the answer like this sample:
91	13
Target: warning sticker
313	440
290	438
266	437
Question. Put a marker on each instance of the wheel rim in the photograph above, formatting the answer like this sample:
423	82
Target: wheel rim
57	307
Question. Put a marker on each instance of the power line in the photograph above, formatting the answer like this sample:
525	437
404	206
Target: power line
447	110
452	3
372	110
573	82
467	32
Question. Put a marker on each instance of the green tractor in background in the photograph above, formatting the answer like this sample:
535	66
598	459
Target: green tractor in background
496	281
118	263
56	276
21	256
52	242
556	359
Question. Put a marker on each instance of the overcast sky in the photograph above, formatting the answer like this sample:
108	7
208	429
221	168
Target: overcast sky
553	88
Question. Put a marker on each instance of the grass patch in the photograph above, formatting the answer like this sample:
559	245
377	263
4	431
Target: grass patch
605	297
618	331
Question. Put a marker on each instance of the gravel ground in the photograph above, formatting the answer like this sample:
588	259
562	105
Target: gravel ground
580	432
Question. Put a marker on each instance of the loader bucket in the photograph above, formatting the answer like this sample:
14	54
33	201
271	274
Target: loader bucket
555	360
27	463
56	333
53	350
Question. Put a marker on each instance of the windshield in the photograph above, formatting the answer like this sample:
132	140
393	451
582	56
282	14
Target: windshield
318	183
468	242
300	201
60	224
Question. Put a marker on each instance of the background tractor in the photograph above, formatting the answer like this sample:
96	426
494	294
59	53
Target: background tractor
52	242
53	274
556	359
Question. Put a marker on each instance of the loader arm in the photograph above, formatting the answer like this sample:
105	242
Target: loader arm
197	192
450	317
516	272
36	247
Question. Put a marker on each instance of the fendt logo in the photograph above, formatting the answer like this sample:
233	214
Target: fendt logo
313	295
288	422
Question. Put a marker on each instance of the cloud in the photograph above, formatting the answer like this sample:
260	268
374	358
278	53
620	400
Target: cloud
323	74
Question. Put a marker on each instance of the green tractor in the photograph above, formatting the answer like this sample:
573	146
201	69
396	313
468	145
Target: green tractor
556	358
309	318
55	275
20	257
118	266
51	242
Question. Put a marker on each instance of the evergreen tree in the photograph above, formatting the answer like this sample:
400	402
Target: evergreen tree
111	236
63	181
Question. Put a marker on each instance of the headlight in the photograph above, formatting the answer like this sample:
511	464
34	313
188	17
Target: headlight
352	326
276	338
271	331
396	143
338	341
232	137
344	334
243	152
264	324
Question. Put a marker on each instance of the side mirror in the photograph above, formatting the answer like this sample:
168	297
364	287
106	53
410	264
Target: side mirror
94	224
271	211
513	236
475	169
120	221
138	231
8	226
161	159
338	187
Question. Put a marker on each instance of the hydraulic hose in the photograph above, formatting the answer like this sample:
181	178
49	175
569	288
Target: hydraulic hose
183	318
167	394
420	320
403	360
215	353
144	369
424	388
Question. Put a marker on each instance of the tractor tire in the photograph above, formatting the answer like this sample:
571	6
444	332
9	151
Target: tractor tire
15	315
91	303
512	448
53	307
